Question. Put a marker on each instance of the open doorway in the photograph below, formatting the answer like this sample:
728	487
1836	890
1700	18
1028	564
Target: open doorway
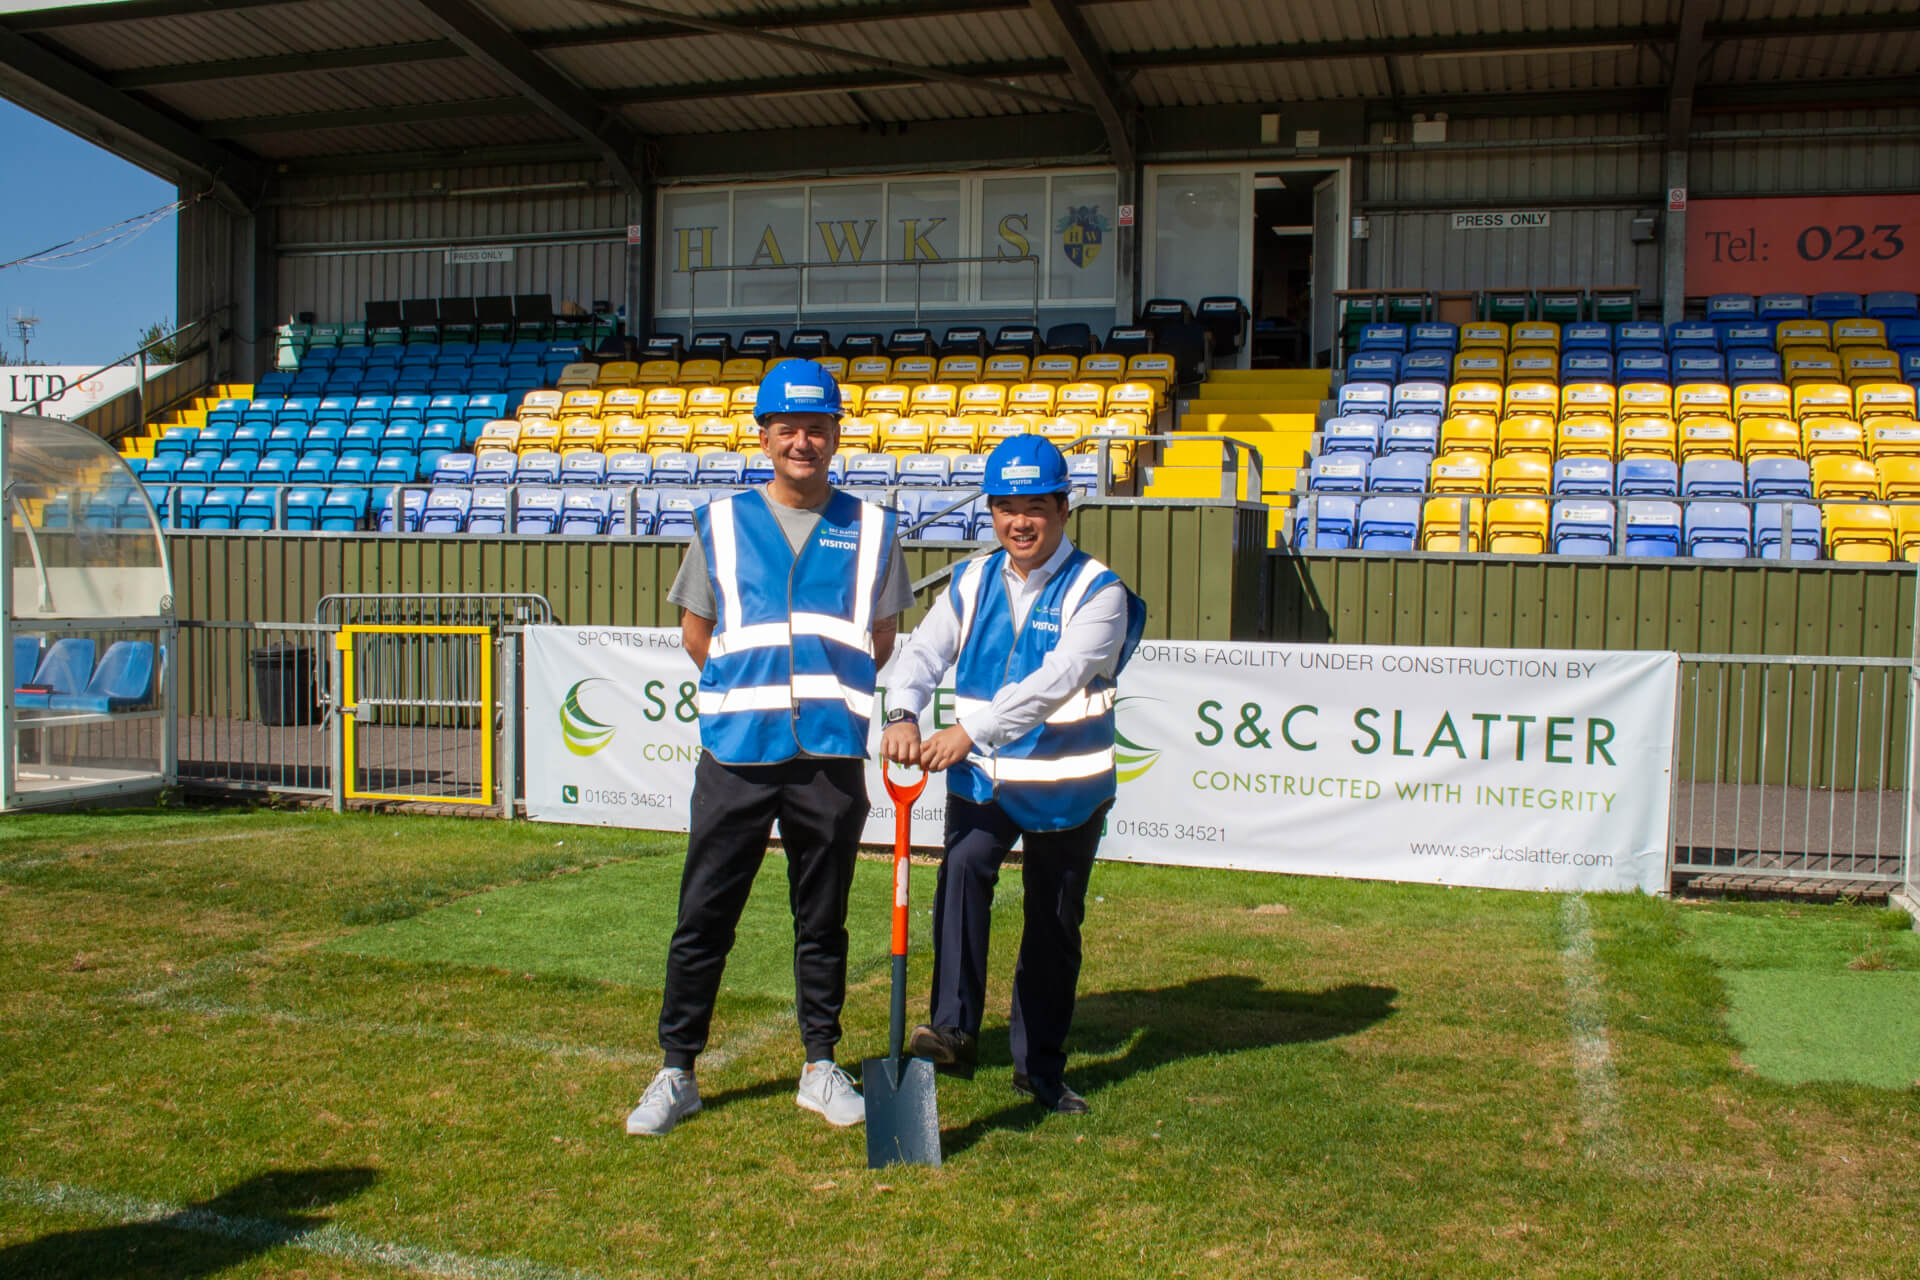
1296	219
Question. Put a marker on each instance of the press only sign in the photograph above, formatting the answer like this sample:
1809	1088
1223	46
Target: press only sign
1502	220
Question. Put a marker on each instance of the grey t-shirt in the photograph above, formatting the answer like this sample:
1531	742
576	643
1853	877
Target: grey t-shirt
693	591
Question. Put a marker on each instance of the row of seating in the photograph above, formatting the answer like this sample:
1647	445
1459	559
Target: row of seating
1407	306
1854	365
1656	436
1532	526
63	676
271	410
1724	335
1891	479
1634	399
503	316
1799	306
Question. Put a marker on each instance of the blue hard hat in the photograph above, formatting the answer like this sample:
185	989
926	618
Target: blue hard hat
796	386
1023	465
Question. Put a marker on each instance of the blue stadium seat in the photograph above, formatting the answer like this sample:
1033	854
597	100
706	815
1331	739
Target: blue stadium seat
1737	334
1782	306
630	468
918	470
1337	474
864	470
1383	337
234	470
446	509
537	510
1365	397
1586	335
1779	478
494	467
1639	335
1699	364
583	467
645	507
1893	304
1432	335
675	512
371	408
361	437
175	442
1373	366
257	509
1769	532
1350	435
968	471
1713	478
1642	366
1583	477
537	466
220	508
212	441
1582	528
721	467
1419	397
401	437
1327	524
1754	365
1731	306
264	410
345	509
324	437
199	468
226	413
275	468
409	408
1653	529
678	467
396	468
26	658
1412	433
488	514
1586	366
1399	473
412	503
1388	523
63	671
313	468
1718	531
249	439
1427	366
352	468
585	512
1647	477
1692	333
287	439
1834	306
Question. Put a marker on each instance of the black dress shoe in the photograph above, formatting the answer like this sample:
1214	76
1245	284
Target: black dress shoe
951	1051
1051	1092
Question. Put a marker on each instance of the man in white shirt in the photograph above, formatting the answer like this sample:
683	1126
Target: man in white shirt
1035	634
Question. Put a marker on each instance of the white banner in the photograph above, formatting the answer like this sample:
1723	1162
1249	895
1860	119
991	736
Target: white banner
72	389
1505	768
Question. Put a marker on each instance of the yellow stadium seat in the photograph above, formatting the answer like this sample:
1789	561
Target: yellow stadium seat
501	433
956	435
906	435
1517	526
1646	399
1907	522
1811	366
712	435
581	433
746	433
1860	533
885	401
1484	333
1822	400
1031	398
835	366
1522	473
1862	365
1055	367
655	372
623	434
1526	433
665	402
1119	453
1103	366
742	369
1469	433
934	400
1480	364
1478	397
1535	364
615	401
913	370
853	397
1440	522
869	369
1006	368
958	370
1835	476
984	398
859	435
699	373
1707	437
744	396
582	373
1156	367
541	404
617	373
994	430
669	435
1063	431
1584	436
1088	398
539	434
1460	472
1802	333
1856	332
1712	398
709	402
1887	435
1534	333
1540	399
1769	438
1763	400
1647	437
1822	436
582	402
1133	397
1899	477
1588	398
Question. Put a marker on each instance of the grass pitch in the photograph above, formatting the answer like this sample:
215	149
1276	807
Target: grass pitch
268	1044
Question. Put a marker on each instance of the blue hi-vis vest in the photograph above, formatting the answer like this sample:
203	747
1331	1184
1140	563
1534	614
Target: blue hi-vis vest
791	667
1054	776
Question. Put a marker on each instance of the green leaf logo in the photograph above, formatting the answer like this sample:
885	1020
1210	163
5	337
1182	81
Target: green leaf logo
583	734
1131	759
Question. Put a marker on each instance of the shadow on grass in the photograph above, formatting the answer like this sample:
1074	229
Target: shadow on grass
203	1239
1118	1034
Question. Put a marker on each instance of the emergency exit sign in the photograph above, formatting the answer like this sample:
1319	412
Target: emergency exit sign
1501	219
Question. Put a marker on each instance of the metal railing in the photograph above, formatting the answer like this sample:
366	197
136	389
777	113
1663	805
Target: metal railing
917	264
138	357
249	713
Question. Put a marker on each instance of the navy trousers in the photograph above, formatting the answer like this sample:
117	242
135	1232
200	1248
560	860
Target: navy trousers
1054	873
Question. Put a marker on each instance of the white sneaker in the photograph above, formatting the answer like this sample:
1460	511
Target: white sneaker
827	1089
671	1098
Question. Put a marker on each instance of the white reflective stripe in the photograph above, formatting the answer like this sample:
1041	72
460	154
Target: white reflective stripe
873	521
1077	589
1059	769
762	635
969	577
850	634
725	560
861	704
1084	705
765	697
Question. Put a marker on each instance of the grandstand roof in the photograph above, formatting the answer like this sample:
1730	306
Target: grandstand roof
241	87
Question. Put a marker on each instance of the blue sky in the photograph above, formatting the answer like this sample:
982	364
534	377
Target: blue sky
91	308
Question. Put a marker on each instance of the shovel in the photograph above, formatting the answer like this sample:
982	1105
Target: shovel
903	1115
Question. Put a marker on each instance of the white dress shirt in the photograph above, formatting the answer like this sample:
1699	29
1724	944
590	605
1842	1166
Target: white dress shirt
1089	646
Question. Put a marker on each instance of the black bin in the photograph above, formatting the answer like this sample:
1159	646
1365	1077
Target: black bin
283	684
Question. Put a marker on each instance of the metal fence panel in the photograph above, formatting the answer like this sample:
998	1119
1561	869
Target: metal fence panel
248	706
416	713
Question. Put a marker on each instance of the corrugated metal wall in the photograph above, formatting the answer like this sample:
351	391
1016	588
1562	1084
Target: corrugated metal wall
345	241
205	245
1591	190
1785	166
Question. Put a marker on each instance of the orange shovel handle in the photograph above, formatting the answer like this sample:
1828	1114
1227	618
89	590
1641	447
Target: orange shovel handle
904	794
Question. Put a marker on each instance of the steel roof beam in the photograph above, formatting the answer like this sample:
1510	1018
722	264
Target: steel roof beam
802	86
89	15
365	117
768	20
495	46
75	98
1070	35
386	55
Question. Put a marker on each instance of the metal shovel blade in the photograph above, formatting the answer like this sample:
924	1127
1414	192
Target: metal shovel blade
903	1112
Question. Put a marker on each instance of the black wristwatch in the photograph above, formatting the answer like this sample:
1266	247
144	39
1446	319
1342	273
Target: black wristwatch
900	715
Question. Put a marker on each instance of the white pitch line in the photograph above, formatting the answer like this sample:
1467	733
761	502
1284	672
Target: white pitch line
1595	1084
264	1234
72	854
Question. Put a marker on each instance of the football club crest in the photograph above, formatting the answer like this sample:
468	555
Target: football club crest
1081	231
